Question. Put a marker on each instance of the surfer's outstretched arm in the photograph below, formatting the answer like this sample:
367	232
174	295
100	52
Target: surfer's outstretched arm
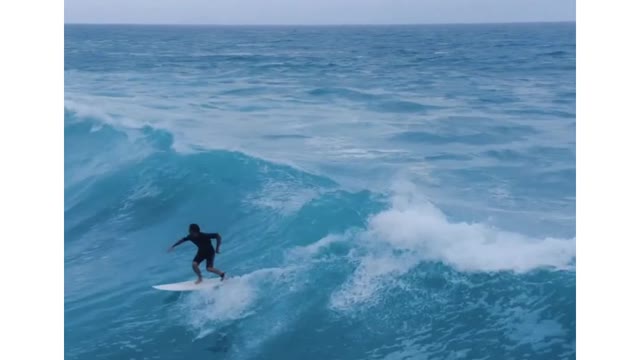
178	243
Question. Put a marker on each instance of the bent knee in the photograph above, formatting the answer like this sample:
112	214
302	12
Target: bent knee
195	264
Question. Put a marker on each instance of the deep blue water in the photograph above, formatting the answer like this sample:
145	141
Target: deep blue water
383	192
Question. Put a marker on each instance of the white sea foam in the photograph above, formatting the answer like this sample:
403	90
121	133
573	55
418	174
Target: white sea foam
414	224
314	248
413	230
234	299
374	274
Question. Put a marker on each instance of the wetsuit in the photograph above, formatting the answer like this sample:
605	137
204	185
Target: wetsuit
205	248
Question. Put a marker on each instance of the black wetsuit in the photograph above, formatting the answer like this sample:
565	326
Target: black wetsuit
205	248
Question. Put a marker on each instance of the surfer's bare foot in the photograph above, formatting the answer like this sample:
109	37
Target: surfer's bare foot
199	280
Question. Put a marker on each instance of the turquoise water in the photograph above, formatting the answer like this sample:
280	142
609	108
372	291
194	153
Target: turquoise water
383	192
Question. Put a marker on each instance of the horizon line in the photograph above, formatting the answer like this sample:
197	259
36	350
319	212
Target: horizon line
323	24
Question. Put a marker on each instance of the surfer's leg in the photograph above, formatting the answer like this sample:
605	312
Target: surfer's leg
210	267
196	269
196	266
214	270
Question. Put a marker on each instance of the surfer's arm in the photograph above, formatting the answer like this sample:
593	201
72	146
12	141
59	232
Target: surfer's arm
218	241
185	239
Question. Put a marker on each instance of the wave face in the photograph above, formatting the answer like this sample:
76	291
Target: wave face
383	192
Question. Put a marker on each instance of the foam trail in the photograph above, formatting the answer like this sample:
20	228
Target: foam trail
373	275
233	300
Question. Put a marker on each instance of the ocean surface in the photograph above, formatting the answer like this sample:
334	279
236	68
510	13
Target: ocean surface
389	192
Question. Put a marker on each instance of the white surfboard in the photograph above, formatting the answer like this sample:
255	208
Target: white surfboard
191	285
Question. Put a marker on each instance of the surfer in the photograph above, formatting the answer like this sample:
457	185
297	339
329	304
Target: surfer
205	250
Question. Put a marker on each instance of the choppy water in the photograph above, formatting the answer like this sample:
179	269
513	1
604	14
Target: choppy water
383	192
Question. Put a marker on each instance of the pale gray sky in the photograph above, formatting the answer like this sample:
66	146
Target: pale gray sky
316	11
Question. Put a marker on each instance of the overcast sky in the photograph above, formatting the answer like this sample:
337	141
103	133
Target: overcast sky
312	12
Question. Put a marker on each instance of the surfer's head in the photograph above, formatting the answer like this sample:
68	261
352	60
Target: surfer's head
194	229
